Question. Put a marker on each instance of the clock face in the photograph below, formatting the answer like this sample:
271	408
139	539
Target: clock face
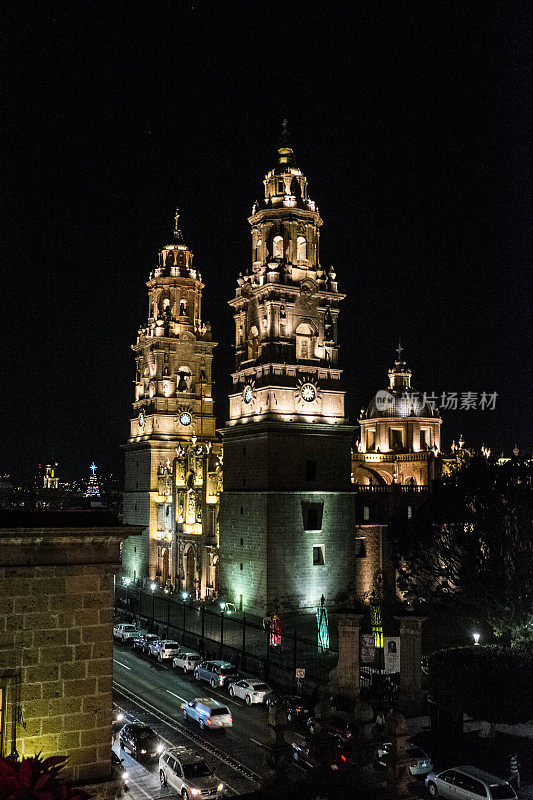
308	392
248	394
185	418
141	419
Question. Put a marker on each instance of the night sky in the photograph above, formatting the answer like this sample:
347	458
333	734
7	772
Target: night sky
409	121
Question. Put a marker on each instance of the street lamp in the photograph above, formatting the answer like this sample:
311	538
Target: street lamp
476	637
153	587
184	596
127	582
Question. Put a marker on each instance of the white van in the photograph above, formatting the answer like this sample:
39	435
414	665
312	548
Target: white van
186	660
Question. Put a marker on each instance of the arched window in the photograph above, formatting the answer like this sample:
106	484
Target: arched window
253	343
301	248
183	307
304	341
278	247
258	248
184	379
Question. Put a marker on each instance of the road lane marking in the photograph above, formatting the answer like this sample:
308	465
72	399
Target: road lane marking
149	796
121	664
176	695
261	744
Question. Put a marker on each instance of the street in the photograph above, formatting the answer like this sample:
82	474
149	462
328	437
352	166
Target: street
154	693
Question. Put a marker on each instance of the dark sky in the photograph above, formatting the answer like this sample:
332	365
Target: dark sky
408	119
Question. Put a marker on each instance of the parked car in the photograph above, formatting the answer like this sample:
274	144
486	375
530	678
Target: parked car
295	707
163	649
423	765
124	631
336	727
141	741
215	673
251	691
188	774
138	640
143	642
314	756
207	711
186	660
468	783
228	608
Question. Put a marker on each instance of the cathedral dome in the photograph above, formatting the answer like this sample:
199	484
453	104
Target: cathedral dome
400	400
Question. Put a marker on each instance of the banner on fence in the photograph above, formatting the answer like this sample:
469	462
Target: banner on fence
391	646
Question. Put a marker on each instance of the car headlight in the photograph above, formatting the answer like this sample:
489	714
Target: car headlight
125	776
220	787
143	751
160	748
195	791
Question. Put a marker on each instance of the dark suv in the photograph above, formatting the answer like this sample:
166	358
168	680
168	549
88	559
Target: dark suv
141	741
215	673
295	707
339	728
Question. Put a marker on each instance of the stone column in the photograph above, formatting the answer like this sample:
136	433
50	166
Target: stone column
410	656
345	677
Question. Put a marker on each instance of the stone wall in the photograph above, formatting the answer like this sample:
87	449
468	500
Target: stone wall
56	644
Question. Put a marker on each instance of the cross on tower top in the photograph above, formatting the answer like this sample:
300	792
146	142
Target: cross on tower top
399	350
93	467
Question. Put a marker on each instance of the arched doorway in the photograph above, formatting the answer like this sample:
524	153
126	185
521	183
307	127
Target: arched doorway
166	567
190	565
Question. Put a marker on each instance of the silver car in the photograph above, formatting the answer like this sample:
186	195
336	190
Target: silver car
215	673
251	691
423	764
468	783
208	713
188	774
164	648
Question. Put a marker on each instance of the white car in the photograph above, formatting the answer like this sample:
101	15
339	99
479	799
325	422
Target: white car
251	691
124	631
423	765
164	648
186	660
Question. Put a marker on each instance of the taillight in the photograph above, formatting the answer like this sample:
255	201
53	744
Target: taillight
256	693
343	758
231	719
209	722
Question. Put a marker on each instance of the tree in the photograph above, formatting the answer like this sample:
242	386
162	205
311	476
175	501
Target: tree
489	683
471	542
35	778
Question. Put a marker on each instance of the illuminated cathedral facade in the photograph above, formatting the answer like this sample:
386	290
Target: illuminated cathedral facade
287	509
172	459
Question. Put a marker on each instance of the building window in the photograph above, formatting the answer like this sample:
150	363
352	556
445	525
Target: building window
312	516
360	551
424	438
244	449
318	555
310	470
370	439
395	438
301	248
242	542
277	246
409	512
242	510
241	567
366	513
244	481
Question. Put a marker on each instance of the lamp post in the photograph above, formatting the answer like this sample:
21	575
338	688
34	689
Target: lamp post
476	637
153	587
127	582
184	596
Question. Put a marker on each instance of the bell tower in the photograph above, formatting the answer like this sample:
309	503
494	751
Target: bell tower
172	415
287	505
